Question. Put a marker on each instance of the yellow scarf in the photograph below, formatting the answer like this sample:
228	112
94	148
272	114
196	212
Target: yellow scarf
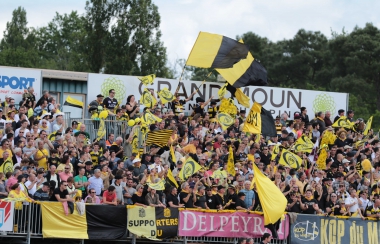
310	198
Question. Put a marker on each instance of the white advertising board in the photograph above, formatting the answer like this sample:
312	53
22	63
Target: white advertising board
13	82
276	100
6	216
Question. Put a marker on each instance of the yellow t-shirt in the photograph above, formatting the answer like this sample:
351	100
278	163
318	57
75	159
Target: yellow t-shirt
43	161
19	197
8	150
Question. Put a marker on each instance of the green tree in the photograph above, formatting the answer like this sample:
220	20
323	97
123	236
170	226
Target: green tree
17	46
62	43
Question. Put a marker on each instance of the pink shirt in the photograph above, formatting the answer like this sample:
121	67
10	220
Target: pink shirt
11	181
63	176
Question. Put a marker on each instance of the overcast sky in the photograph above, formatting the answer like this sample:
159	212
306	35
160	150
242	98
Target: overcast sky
181	20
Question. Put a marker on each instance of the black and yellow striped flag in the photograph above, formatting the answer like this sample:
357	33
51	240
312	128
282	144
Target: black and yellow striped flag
73	102
239	95
259	121
216	51
158	137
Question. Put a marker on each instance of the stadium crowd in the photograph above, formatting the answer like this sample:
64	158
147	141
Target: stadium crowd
54	161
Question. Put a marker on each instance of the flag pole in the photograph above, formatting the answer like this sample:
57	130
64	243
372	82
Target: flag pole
180	78
204	81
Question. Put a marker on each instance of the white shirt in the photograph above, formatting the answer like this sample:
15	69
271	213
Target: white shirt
350	200
364	203
34	188
18	130
157	166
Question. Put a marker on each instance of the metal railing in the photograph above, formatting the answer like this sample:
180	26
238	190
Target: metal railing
28	224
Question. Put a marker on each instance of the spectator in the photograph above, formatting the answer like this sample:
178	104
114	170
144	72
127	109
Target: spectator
92	197
109	196
249	195
152	199
96	182
60	194
43	193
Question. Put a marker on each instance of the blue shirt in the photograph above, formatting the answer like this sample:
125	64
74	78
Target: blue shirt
249	197
97	184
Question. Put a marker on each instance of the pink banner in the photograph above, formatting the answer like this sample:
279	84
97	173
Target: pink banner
238	224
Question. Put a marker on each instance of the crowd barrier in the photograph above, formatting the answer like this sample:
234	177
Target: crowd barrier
121	223
172	225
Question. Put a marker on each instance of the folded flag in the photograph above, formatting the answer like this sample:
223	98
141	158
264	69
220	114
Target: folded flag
73	102
303	144
148	118
368	126
158	137
247	72
147	80
158	186
216	51
148	99
259	121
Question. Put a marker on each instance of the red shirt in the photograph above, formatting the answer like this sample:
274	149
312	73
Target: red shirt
109	197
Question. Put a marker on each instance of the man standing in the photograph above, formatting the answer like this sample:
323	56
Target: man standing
249	195
304	116
117	147
129	161
31	184
340	114
61	194
327	119
266	238
110	102
96	103
350	115
96	182
43	193
352	202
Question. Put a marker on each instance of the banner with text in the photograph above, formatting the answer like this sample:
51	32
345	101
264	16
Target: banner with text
275	100
326	230
226	224
6	216
13	82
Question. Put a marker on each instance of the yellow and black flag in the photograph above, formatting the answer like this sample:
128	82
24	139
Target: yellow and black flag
222	91
239	94
147	80
259	121
290	159
148	118
225	120
368	126
343	122
303	144
216	51
73	102
165	95
148	99
189	168
247	72
158	137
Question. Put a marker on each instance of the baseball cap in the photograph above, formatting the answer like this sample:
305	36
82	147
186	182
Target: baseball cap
241	194
220	187
257	155
99	95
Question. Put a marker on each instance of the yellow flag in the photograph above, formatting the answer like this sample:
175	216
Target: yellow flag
222	91
172	153
148	99
191	167
135	141
328	137
165	95
253	122
171	178
321	162
225	120
343	122
227	106
368	126
147	80
303	144
158	186
7	166
276	150
149	118
290	159
231	163
242	98
101	131
272	200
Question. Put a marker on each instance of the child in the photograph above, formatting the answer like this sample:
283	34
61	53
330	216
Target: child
54	159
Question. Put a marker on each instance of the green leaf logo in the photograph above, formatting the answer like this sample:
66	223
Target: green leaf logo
116	84
324	102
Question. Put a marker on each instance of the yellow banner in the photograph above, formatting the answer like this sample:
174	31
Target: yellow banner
227	106
165	95
276	150
55	224
142	221
253	122
290	159
148	118
321	162
158	186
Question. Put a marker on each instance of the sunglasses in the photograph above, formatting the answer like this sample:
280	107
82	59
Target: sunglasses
65	185
67	168
93	192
